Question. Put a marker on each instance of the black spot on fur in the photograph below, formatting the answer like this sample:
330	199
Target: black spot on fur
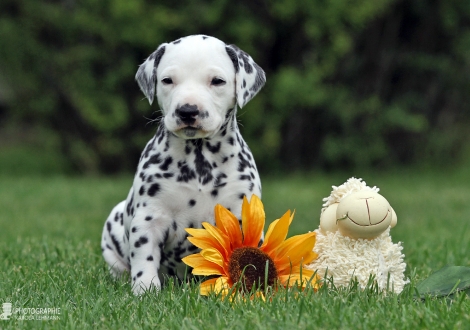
233	56
154	189
166	163
186	173
148	218
231	140
174	225
214	193
139	274
192	202
167	145
117	245
165	236
129	205
141	241
149	147
161	134
134	229
142	190
187	148
243	163
246	61
218	180
241	195
203	167
214	149
150	258
192	248
108	226
244	177
154	159
158	56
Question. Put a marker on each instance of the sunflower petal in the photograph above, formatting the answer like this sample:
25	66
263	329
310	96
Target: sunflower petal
307	276
295	249
196	232
253	218
213	255
204	243
228	223
277	232
201	266
222	285
207	287
203	239
221	238
216	285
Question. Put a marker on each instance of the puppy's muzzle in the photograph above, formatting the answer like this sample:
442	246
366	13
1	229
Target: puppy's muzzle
187	113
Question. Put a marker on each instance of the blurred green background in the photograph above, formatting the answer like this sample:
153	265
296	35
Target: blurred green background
350	83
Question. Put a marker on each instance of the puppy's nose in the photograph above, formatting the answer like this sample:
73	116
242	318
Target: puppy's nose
187	113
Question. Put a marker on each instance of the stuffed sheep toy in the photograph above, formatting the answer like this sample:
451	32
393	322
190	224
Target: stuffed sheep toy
353	239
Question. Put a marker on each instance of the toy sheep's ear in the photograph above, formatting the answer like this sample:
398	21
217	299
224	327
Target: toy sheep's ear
146	75
249	77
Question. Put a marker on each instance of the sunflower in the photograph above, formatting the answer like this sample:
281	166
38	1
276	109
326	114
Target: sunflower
234	257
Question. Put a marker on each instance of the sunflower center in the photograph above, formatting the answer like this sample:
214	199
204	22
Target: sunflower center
248	264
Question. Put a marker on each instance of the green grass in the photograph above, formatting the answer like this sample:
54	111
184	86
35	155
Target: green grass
50	231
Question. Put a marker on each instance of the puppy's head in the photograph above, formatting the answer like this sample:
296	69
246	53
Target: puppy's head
197	80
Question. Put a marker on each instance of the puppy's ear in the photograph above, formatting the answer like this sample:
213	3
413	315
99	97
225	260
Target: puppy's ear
249	77
146	75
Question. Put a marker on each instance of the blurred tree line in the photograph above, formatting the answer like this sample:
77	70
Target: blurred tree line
349	82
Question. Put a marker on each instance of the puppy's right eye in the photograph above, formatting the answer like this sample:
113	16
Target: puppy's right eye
167	81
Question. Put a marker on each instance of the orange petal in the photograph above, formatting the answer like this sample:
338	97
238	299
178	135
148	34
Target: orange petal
253	218
228	223
203	239
206	242
222	285
295	249
223	239
217	285
309	258
277	233
303	279
213	255
201	266
196	232
207	287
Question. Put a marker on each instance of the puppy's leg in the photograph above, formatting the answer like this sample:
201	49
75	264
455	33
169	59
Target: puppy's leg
113	245
146	241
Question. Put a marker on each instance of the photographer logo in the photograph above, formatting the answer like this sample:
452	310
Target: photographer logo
6	311
39	314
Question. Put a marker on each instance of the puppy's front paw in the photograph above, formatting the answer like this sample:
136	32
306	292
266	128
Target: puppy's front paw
142	283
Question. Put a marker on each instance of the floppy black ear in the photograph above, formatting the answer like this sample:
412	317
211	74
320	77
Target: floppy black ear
249	77
146	75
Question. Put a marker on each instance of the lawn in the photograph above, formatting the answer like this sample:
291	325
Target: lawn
50	229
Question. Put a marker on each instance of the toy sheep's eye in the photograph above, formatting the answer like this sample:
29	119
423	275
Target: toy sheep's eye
217	82
167	81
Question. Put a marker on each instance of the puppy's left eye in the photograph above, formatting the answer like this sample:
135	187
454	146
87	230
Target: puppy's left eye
217	82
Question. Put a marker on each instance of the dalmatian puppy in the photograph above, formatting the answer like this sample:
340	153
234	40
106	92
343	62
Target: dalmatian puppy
196	159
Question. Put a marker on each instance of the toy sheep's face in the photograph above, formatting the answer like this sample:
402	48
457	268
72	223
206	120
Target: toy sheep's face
363	214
